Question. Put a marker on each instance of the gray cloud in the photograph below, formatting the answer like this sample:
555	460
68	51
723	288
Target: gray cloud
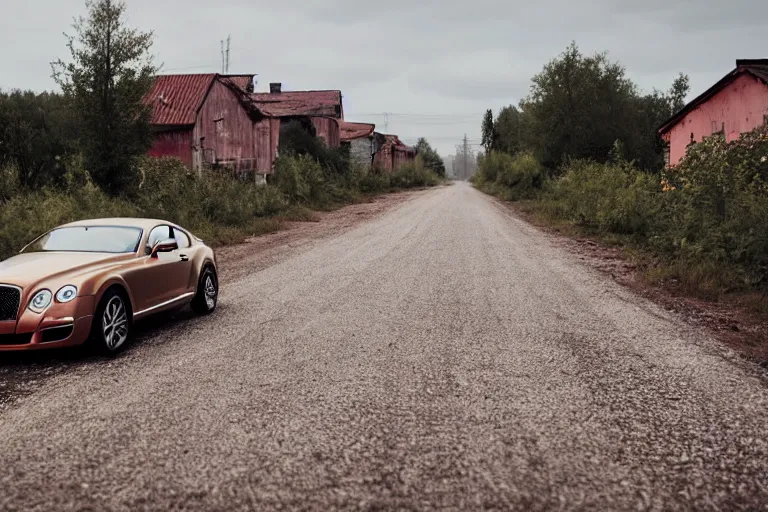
442	63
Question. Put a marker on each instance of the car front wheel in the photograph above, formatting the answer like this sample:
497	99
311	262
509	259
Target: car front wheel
111	323
207	292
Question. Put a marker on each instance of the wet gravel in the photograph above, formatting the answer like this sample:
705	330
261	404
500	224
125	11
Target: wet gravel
445	355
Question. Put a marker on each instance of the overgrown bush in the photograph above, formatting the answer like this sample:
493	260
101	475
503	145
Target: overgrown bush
414	174
705	220
718	205
214	205
513	177
612	198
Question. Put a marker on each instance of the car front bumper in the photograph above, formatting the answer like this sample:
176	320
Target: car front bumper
62	325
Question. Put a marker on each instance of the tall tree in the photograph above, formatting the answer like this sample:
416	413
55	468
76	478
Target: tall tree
678	92
488	131
110	72
431	157
509	130
35	136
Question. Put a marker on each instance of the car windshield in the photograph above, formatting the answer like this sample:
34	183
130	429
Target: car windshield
112	239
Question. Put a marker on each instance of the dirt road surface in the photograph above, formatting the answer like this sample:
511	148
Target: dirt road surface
441	355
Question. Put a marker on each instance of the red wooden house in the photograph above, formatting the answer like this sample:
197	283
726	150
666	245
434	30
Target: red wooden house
323	108
736	104
209	120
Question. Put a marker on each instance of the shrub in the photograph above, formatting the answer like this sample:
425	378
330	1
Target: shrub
612	198
414	174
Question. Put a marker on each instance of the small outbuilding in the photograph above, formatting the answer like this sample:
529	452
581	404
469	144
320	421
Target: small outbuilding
209	120
736	104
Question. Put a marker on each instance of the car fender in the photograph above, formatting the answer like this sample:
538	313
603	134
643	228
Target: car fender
110	281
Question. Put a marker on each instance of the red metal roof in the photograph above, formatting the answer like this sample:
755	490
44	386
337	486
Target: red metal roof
350	131
396	144
300	103
758	68
176	99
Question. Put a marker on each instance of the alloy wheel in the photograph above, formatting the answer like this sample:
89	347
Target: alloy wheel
211	291
115	323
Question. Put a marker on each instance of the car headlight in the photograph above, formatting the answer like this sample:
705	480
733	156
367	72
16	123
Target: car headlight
66	294
40	301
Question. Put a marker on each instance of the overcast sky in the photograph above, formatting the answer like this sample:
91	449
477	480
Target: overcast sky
435	66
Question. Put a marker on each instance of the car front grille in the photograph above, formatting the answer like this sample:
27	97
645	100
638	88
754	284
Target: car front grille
10	297
16	339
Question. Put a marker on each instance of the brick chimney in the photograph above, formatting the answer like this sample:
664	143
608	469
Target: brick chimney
275	88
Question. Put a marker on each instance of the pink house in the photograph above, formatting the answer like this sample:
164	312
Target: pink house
736	104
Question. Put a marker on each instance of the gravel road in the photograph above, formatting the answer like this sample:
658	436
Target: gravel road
443	355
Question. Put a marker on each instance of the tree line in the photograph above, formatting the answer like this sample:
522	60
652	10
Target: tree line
579	106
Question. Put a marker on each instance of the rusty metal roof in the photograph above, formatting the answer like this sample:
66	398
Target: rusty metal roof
300	103
758	68
350	131
176	99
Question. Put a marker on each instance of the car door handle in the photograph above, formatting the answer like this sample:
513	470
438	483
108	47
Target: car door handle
183	257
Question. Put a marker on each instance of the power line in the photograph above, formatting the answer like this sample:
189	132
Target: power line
189	67
436	116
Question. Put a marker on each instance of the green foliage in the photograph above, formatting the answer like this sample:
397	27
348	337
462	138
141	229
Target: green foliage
35	136
509	131
489	134
579	106
432	160
109	74
719	205
300	179
704	219
611	198
513	177
414	174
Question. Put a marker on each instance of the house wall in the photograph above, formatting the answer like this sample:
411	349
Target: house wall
328	130
384	158
742	106
228	130
176	143
402	157
361	151
267	137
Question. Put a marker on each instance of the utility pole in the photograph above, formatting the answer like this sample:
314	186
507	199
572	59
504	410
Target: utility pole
227	68
225	57
466	172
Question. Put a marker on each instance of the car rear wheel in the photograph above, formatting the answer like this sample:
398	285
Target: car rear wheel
111	324
207	292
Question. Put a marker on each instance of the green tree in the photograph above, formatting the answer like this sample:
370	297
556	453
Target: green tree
579	107
488	132
110	72
35	137
432	160
678	92
509	130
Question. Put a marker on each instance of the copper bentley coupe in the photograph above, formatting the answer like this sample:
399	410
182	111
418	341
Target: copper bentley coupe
88	281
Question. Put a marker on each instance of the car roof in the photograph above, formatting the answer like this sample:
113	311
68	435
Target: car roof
121	222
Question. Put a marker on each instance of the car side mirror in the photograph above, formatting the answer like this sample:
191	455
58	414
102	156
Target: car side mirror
164	246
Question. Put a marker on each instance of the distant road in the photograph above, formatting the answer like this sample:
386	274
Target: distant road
444	354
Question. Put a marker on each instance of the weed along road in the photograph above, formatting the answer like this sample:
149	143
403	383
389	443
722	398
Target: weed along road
443	354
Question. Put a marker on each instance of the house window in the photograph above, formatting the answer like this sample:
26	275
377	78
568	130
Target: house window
765	119
718	128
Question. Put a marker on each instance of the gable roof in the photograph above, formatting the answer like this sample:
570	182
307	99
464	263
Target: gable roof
300	103
350	131
176	99
757	68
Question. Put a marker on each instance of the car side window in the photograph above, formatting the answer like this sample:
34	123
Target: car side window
158	234
181	239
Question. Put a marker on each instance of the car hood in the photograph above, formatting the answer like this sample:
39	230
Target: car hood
27	269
